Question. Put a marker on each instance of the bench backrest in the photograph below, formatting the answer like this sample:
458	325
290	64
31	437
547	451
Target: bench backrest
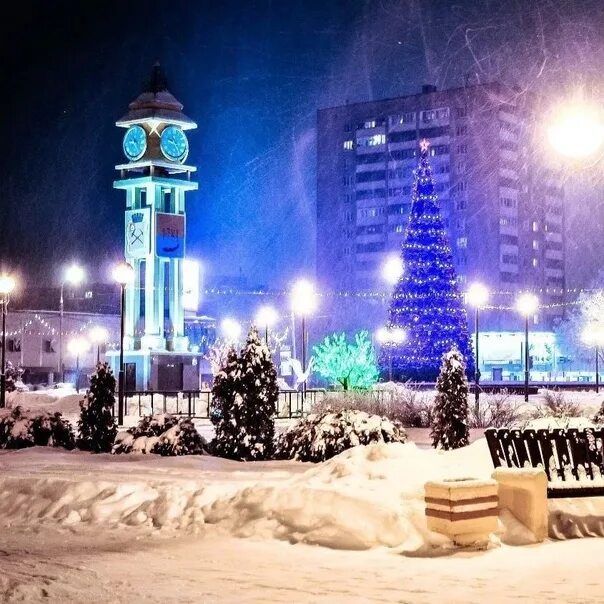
569	455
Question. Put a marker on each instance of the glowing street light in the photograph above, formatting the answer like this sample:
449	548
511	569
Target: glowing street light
304	302
267	316
77	347
389	337
527	305
99	335
392	269
123	274
231	329
576	131
477	296
73	275
7	285
593	335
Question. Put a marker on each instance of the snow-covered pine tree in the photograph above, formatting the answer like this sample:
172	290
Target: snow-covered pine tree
450	413
97	427
245	395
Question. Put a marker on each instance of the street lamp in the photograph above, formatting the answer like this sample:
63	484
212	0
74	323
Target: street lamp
527	304
231	329
593	335
389	337
392	269
7	285
266	316
74	275
576	130
77	347
123	273
477	296
304	303
99	335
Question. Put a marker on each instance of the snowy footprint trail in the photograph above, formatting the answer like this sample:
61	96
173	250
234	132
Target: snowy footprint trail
364	498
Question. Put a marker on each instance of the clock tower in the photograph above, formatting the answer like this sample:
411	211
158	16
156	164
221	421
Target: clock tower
155	178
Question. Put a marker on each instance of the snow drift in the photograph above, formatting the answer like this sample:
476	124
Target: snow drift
365	497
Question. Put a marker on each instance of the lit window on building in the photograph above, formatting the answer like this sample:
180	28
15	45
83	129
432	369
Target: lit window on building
535	226
462	242
348	145
535	244
369	124
535	263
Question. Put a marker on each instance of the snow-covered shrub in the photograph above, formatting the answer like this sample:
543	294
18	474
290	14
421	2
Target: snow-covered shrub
20	429
13	377
322	436
244	403
153	425
181	439
497	410
555	404
412	408
97	426
599	416
450	417
161	434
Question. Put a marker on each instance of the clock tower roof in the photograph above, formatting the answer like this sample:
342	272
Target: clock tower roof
156	103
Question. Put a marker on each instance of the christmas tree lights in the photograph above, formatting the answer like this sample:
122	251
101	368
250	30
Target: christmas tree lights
426	302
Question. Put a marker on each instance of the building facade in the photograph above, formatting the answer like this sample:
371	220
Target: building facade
503	205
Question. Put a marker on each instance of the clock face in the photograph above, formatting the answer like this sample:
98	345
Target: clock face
135	142
174	144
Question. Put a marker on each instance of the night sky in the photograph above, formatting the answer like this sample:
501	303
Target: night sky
252	74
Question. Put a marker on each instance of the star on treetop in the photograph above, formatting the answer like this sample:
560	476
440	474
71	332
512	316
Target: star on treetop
424	144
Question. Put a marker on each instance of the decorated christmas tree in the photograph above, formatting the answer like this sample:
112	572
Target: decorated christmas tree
426	302
97	427
244	402
450	414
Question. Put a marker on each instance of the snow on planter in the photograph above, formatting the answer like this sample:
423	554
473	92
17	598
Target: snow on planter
322	436
463	509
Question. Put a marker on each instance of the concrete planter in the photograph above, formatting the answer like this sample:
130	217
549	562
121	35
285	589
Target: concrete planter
463	509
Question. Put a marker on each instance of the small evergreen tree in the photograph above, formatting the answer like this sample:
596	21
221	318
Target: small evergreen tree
97	427
352	366
450	413
244	401
12	376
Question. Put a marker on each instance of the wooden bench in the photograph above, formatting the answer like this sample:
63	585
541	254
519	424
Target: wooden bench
572	459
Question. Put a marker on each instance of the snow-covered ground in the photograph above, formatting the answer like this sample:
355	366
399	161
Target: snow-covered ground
78	527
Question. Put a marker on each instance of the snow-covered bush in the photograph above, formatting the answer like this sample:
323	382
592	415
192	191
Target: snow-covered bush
450	417
13	377
555	404
97	426
244	403
497	410
163	435
322	436
20	429
599	416
411	407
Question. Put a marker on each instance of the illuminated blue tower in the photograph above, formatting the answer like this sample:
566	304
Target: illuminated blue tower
156	179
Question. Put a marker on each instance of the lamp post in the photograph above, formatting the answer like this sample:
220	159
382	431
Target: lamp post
576	129
99	335
7	285
477	296
392	269
527	304
266	316
390	336
231	329
304	303
76	347
74	275
593	335
123	273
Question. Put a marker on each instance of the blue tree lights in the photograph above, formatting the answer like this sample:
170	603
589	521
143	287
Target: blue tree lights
426	302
